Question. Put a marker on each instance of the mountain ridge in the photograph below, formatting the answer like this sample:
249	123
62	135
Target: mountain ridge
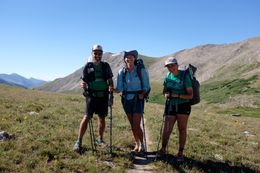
208	58
17	80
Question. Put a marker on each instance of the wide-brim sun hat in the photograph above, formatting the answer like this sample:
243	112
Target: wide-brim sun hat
131	52
170	60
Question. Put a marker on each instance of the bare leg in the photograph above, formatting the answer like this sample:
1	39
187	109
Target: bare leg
83	127
167	130
138	130
133	121
182	127
101	125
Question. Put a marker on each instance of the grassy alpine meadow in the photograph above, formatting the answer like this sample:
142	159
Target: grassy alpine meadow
44	127
234	90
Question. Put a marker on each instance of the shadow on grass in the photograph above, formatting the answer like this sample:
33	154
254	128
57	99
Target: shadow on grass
189	164
104	150
170	160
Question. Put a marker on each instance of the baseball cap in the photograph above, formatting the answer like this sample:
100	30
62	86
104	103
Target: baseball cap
170	60
97	47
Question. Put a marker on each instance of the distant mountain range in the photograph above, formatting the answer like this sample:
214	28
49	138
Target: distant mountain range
211	60
20	81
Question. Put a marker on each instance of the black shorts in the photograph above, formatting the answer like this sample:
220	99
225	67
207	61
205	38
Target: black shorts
98	105
173	110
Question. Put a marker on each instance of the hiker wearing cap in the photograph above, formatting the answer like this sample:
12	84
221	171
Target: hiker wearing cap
133	91
97	83
177	108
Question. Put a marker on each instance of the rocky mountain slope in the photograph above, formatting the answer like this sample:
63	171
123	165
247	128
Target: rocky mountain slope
210	59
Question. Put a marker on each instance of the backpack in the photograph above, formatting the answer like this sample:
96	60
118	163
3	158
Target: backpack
89	72
140	65
191	70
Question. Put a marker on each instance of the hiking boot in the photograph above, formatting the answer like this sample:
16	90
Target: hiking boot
100	142
180	158
77	147
161	152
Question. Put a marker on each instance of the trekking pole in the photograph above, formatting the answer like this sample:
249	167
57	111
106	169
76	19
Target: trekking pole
162	127
160	137
92	136
111	104
145	144
91	131
167	156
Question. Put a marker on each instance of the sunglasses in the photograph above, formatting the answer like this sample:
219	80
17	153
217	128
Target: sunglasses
97	53
170	65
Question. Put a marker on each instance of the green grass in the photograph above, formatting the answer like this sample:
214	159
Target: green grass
213	141
221	91
156	95
43	141
231	82
233	72
227	87
242	111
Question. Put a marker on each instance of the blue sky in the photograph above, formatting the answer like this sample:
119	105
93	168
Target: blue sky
48	39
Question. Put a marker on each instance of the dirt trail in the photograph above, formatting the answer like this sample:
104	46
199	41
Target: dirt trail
143	164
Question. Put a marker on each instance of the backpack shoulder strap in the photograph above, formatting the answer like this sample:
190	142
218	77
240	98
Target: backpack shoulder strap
139	73
103	67
104	64
183	74
124	70
106	71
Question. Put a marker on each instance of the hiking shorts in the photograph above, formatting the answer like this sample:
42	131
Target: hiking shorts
173	110
132	106
98	105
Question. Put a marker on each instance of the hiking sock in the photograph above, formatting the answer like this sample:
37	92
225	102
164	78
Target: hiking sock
79	140
142	147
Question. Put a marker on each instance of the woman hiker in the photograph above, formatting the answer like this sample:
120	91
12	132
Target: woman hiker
133	91
177	108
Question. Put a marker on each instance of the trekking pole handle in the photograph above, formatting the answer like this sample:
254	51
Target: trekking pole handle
111	98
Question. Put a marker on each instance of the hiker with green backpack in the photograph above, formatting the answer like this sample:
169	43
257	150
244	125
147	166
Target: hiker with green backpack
133	82
178	92
97	84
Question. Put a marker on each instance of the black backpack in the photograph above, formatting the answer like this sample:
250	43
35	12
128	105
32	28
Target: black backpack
140	65
89	72
191	70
